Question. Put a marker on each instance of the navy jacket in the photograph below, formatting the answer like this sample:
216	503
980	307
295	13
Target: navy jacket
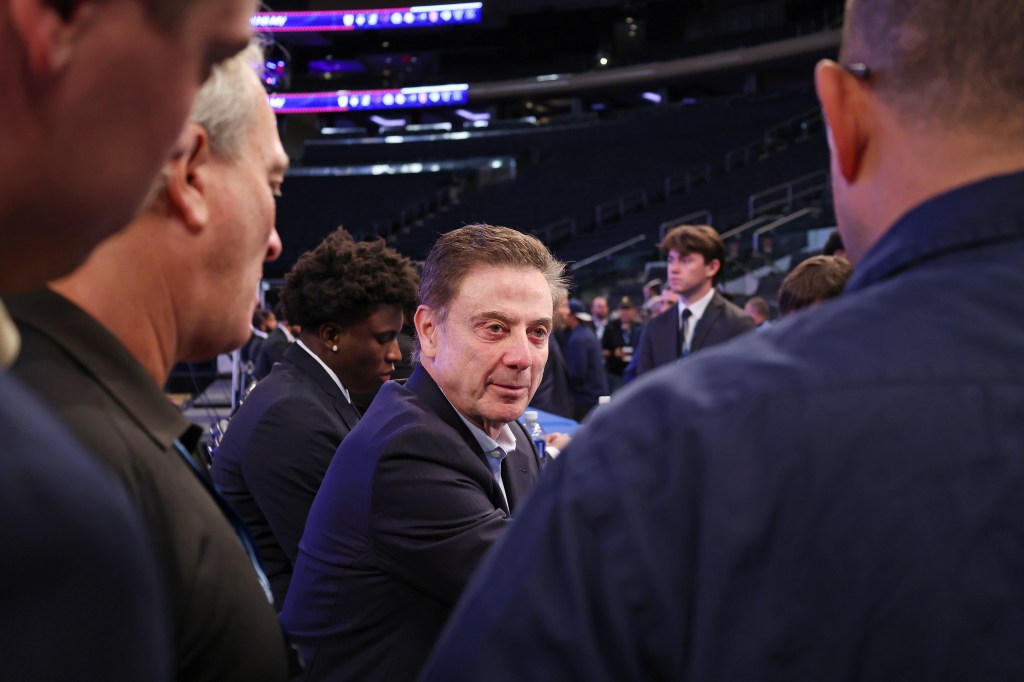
553	394
405	513
660	343
839	497
587	379
275	453
83	597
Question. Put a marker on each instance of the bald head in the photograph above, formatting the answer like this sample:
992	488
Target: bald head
948	63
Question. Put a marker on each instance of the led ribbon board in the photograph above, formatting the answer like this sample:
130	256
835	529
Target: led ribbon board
367	19
369	100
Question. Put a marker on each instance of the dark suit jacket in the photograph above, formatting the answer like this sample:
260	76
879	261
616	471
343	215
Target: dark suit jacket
275	453
554	395
660	343
406	511
270	351
615	337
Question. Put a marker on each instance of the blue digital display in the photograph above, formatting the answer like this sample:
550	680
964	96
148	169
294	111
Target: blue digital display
368	19
369	100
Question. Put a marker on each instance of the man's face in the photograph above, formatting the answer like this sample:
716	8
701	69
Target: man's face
242	236
627	315
599	308
105	123
688	274
368	350
488	356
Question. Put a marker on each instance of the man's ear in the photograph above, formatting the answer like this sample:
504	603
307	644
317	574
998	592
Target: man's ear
427	330
48	34
840	94
186	178
713	267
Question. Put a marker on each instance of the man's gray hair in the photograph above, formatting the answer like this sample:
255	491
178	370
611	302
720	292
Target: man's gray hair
222	106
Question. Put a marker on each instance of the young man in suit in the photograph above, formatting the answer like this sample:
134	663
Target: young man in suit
435	469
703	316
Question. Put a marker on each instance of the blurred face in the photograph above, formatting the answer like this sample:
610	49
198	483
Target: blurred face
368	350
599	308
102	125
241	227
689	276
488	356
627	315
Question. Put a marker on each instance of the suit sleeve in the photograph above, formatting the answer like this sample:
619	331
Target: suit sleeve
645	354
432	516
555	600
576	359
287	455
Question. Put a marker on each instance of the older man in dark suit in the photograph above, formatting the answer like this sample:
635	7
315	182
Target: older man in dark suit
436	468
703	316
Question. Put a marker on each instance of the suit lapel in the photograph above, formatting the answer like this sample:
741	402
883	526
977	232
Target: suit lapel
706	322
520	468
305	363
424	386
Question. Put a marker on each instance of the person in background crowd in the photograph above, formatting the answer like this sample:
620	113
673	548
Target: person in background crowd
77	162
599	315
263	323
814	280
619	342
278	341
584	361
178	284
839	496
436	468
703	317
348	298
759	311
554	394
834	245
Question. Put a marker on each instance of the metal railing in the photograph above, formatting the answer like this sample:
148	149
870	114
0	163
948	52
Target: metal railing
785	220
616	208
554	231
688	219
607	252
783	196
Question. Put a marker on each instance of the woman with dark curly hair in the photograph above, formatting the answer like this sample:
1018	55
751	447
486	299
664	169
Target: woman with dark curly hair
348	298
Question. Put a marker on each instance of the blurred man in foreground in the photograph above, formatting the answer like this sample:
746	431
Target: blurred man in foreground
95	94
838	496
178	284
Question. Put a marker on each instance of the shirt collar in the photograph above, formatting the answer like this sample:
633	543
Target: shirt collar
10	341
506	442
330	372
985	211
498	449
698	307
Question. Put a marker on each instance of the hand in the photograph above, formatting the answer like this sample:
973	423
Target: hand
558	440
